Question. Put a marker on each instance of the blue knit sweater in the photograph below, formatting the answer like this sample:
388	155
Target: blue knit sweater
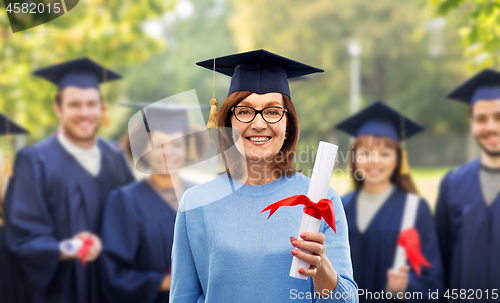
225	250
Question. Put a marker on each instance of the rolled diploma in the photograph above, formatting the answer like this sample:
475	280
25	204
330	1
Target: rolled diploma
318	189
409	215
70	247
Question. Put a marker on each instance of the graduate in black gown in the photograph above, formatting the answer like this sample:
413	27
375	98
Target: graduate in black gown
375	211
468	208
59	188
11	278
138	221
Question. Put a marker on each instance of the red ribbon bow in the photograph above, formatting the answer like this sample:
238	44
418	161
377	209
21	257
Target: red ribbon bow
84	250
322	209
410	240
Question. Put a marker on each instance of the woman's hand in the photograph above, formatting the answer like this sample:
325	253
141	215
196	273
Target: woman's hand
324	276
397	281
93	252
314	243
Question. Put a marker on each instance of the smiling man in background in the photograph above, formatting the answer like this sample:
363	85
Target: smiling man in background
59	188
468	208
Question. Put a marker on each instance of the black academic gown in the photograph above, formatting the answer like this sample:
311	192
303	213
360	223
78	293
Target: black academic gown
50	198
373	251
138	231
469	235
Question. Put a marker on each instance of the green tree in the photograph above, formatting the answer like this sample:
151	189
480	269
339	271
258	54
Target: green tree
200	35
479	30
110	32
397	64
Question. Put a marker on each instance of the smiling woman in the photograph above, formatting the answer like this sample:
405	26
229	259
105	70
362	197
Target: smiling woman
378	208
224	249
278	151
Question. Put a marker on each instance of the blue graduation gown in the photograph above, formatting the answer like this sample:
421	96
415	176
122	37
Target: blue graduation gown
51	197
138	231
11	279
374	250
469	233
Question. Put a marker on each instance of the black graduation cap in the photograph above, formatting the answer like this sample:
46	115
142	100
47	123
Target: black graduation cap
485	85
82	72
259	71
380	120
9	127
169	118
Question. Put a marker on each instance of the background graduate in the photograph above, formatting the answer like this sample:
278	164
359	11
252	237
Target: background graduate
11	277
225	249
468	207
138	221
375	208
59	188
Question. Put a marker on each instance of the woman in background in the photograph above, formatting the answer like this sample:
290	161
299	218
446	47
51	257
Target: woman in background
138	222
375	209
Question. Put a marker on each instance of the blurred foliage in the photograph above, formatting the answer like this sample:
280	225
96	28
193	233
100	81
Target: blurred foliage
405	62
194	32
479	31
409	59
109	32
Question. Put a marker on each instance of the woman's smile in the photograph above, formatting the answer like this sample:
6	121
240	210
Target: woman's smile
259	140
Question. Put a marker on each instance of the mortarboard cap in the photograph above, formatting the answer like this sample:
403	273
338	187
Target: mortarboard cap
83	73
259	71
380	120
9	127
485	85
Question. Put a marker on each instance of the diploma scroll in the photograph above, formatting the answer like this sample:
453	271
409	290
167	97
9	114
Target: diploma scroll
70	247
318	189
409	217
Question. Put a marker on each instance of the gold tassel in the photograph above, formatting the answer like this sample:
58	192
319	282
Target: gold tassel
404	170
405	166
212	119
192	147
106	121
7	166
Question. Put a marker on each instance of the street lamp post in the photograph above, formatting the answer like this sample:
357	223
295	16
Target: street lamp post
354	50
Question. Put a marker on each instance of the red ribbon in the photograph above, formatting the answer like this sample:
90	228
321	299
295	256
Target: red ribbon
410	240
84	250
322	209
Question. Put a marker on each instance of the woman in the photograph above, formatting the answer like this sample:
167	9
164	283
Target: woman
224	249
375	210
138	220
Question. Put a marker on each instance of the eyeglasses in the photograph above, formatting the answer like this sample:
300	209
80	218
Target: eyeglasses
246	114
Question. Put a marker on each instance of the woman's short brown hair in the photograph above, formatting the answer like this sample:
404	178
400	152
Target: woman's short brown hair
404	182
283	162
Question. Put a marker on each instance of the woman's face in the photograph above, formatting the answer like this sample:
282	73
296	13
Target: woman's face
377	163
260	140
174	151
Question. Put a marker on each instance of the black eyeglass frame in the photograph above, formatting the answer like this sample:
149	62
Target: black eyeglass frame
259	112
